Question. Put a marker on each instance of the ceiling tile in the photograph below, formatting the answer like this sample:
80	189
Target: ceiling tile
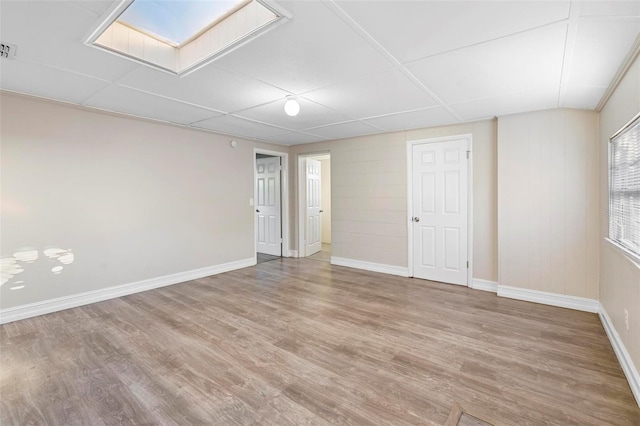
311	115
375	94
441	26
600	47
52	33
482	58
34	79
98	7
128	101
531	60
231	125
294	138
511	103
312	50
610	8
345	130
209	86
427	117
583	97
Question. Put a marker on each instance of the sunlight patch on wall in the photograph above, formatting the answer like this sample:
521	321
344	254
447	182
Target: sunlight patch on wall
12	267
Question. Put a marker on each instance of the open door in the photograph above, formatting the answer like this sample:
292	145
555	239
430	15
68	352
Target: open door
268	210
313	207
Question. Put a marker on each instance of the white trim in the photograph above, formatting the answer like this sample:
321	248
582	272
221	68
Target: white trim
484	285
293	253
409	208
470	210
410	144
620	73
284	198
80	299
624	358
301	200
552	299
631	256
370	266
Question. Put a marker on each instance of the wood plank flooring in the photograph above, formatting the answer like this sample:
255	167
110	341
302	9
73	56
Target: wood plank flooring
324	255
297	341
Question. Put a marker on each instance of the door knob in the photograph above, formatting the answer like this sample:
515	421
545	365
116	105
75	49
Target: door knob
416	219
257	211
321	211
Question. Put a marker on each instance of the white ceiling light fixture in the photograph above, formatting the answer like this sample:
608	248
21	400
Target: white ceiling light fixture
291	107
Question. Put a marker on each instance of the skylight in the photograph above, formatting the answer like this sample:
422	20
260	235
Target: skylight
180	36
176	21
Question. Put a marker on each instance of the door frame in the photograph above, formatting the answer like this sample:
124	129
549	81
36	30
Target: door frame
284	200
410	145
302	195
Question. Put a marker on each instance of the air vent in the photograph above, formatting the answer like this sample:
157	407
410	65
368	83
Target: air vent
7	51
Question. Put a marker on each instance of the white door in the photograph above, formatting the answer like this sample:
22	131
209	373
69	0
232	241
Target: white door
439	217
268	206
314	207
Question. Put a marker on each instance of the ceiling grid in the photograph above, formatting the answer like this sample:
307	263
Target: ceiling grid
356	68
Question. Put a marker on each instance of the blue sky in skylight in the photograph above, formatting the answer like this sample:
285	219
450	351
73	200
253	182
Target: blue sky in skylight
175	20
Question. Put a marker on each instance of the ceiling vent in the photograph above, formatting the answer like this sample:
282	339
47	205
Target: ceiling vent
7	51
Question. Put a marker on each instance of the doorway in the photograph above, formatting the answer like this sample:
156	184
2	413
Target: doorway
270	205
314	199
440	206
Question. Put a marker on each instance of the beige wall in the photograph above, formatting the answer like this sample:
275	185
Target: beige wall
619	276
548	201
369	195
132	199
326	200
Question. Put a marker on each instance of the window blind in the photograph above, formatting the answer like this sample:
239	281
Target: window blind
624	187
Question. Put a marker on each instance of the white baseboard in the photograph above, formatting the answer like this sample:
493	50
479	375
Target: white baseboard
553	299
370	266
484	285
624	358
75	300
293	253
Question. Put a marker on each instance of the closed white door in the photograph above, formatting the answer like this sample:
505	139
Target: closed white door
439	217
314	207
268	206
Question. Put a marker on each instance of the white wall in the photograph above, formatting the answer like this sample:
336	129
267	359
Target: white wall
326	200
548	201
131	199
619	277
369	194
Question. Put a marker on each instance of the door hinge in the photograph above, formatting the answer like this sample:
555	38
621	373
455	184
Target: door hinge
467	264
282	241
468	154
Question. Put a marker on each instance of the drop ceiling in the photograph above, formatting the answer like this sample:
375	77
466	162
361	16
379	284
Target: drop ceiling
357	67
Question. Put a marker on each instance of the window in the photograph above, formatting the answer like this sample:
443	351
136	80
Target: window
180	36
624	188
176	21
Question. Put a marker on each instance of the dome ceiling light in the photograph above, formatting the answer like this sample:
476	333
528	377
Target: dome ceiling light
291	107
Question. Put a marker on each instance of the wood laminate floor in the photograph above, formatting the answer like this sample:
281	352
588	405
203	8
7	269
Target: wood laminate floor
262	257
324	255
296	341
